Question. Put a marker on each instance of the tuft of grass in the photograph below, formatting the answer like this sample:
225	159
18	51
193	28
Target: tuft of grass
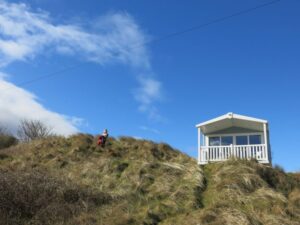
36	198
242	192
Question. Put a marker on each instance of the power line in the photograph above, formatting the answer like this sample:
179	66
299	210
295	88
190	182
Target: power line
218	20
170	35
50	74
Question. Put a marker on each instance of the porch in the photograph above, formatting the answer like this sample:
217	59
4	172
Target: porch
222	153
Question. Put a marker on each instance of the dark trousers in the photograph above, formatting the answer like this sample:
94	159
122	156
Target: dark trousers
103	141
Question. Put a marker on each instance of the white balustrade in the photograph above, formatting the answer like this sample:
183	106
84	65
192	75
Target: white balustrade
222	153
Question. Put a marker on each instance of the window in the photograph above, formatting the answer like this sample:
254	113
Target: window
241	140
255	139
227	140
214	141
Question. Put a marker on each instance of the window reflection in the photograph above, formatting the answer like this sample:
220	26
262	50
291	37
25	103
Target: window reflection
227	140
214	141
242	140
237	140
255	139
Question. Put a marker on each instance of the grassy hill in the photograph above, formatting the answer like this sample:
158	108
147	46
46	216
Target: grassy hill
73	181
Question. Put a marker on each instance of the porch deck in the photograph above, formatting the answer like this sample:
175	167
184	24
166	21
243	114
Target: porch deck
222	153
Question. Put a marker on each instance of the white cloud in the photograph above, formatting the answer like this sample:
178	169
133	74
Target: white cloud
149	91
113	38
17	104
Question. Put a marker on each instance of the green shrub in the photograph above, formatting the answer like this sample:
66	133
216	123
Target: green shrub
7	141
277	179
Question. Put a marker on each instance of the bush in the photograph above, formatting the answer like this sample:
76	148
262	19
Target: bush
6	139
33	129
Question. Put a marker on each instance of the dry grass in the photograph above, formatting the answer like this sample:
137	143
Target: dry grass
149	183
36	198
242	192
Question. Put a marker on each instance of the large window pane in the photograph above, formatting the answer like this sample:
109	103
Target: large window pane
226	140
255	139
214	141
241	140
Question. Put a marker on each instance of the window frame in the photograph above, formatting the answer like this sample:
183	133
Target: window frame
216	136
249	139
234	137
227	136
242	135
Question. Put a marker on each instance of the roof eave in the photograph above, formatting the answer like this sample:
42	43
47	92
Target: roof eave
212	120
231	116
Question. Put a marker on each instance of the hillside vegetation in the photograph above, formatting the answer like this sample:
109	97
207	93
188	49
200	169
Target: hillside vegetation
73	181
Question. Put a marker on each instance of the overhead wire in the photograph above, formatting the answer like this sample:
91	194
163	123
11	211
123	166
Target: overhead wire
167	36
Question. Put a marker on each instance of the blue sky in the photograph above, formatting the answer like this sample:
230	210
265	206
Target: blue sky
248	65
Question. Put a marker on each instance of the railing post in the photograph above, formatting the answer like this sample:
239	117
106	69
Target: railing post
266	142
199	145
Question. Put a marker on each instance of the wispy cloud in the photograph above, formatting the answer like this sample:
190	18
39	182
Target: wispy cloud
113	38
149	92
149	129
25	34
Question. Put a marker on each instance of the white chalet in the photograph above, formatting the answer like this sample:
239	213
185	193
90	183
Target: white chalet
233	136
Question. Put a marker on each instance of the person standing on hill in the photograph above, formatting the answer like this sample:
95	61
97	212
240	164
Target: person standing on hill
102	138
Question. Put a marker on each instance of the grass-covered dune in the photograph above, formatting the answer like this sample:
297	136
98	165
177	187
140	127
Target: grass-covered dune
73	181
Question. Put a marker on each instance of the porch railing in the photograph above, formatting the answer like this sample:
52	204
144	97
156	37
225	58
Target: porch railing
222	153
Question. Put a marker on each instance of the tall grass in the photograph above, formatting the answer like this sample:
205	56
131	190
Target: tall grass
73	181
